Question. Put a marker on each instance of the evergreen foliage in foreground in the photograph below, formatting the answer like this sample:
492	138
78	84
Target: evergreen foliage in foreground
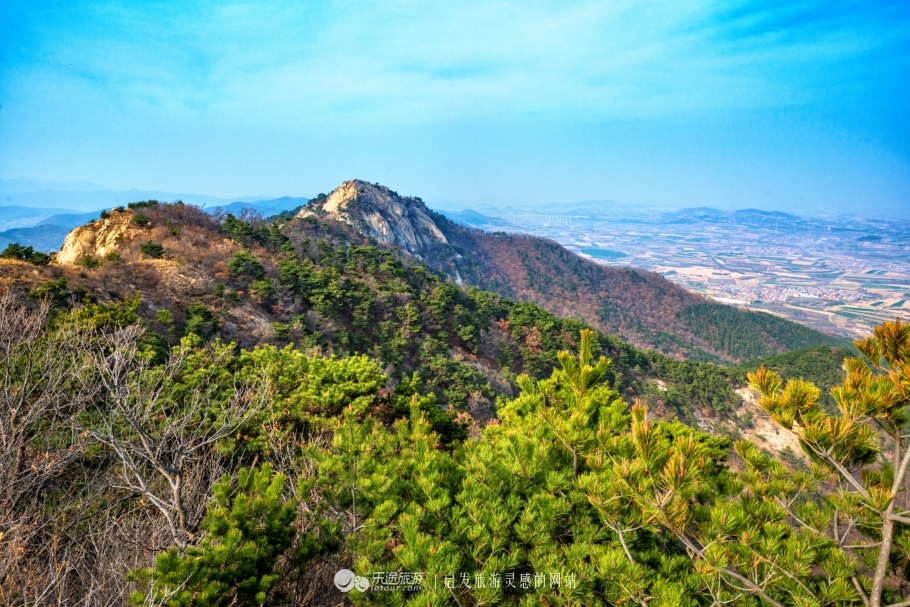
573	483
247	528
575	486
862	451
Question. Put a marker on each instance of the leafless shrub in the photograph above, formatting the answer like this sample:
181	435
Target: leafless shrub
46	381
165	439
183	214
251	216
103	461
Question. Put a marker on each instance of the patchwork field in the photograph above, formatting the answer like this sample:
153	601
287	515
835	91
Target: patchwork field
840	276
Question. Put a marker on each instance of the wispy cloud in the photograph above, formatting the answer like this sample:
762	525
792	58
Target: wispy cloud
432	60
308	68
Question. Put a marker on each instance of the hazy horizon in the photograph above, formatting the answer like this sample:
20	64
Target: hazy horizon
78	197
800	107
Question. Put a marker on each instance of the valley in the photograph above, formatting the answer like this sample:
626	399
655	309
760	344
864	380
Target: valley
840	276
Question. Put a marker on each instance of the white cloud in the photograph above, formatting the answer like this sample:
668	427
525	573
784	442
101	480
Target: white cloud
415	61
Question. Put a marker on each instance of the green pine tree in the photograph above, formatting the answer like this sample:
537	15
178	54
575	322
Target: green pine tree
248	526
860	460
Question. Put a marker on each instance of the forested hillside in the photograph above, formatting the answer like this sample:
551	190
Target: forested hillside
745	335
322	286
641	307
219	411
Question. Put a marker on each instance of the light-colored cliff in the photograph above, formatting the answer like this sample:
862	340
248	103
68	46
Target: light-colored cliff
96	239
378	212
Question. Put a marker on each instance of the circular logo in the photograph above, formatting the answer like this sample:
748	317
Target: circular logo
345	581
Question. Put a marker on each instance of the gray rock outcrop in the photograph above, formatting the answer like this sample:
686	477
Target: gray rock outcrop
378	212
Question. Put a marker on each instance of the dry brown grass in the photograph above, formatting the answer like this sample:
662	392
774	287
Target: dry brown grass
195	259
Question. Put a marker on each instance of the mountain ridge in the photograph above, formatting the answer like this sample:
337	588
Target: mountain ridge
320	285
639	306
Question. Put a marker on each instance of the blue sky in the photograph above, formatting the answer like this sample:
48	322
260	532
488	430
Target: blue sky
793	105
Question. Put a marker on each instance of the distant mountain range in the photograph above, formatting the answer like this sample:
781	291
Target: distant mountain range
39	214
266	208
753	217
472	218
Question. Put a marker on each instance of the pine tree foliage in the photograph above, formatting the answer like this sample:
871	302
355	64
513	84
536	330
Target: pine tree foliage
860	457
248	525
573	483
306	394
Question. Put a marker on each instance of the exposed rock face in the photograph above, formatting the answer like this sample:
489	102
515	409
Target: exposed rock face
378	212
96	239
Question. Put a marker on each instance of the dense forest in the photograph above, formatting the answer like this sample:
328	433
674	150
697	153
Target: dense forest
228	411
745	335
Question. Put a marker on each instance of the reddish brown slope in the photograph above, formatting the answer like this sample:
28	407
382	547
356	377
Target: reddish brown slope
641	307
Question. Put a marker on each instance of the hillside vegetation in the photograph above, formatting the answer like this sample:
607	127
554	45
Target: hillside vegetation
225	411
746	335
641	307
323	287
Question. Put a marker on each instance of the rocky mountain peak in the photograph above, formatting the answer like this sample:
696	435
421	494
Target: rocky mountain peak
380	213
97	239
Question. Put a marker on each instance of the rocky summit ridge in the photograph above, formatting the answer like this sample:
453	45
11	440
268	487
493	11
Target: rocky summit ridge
379	213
